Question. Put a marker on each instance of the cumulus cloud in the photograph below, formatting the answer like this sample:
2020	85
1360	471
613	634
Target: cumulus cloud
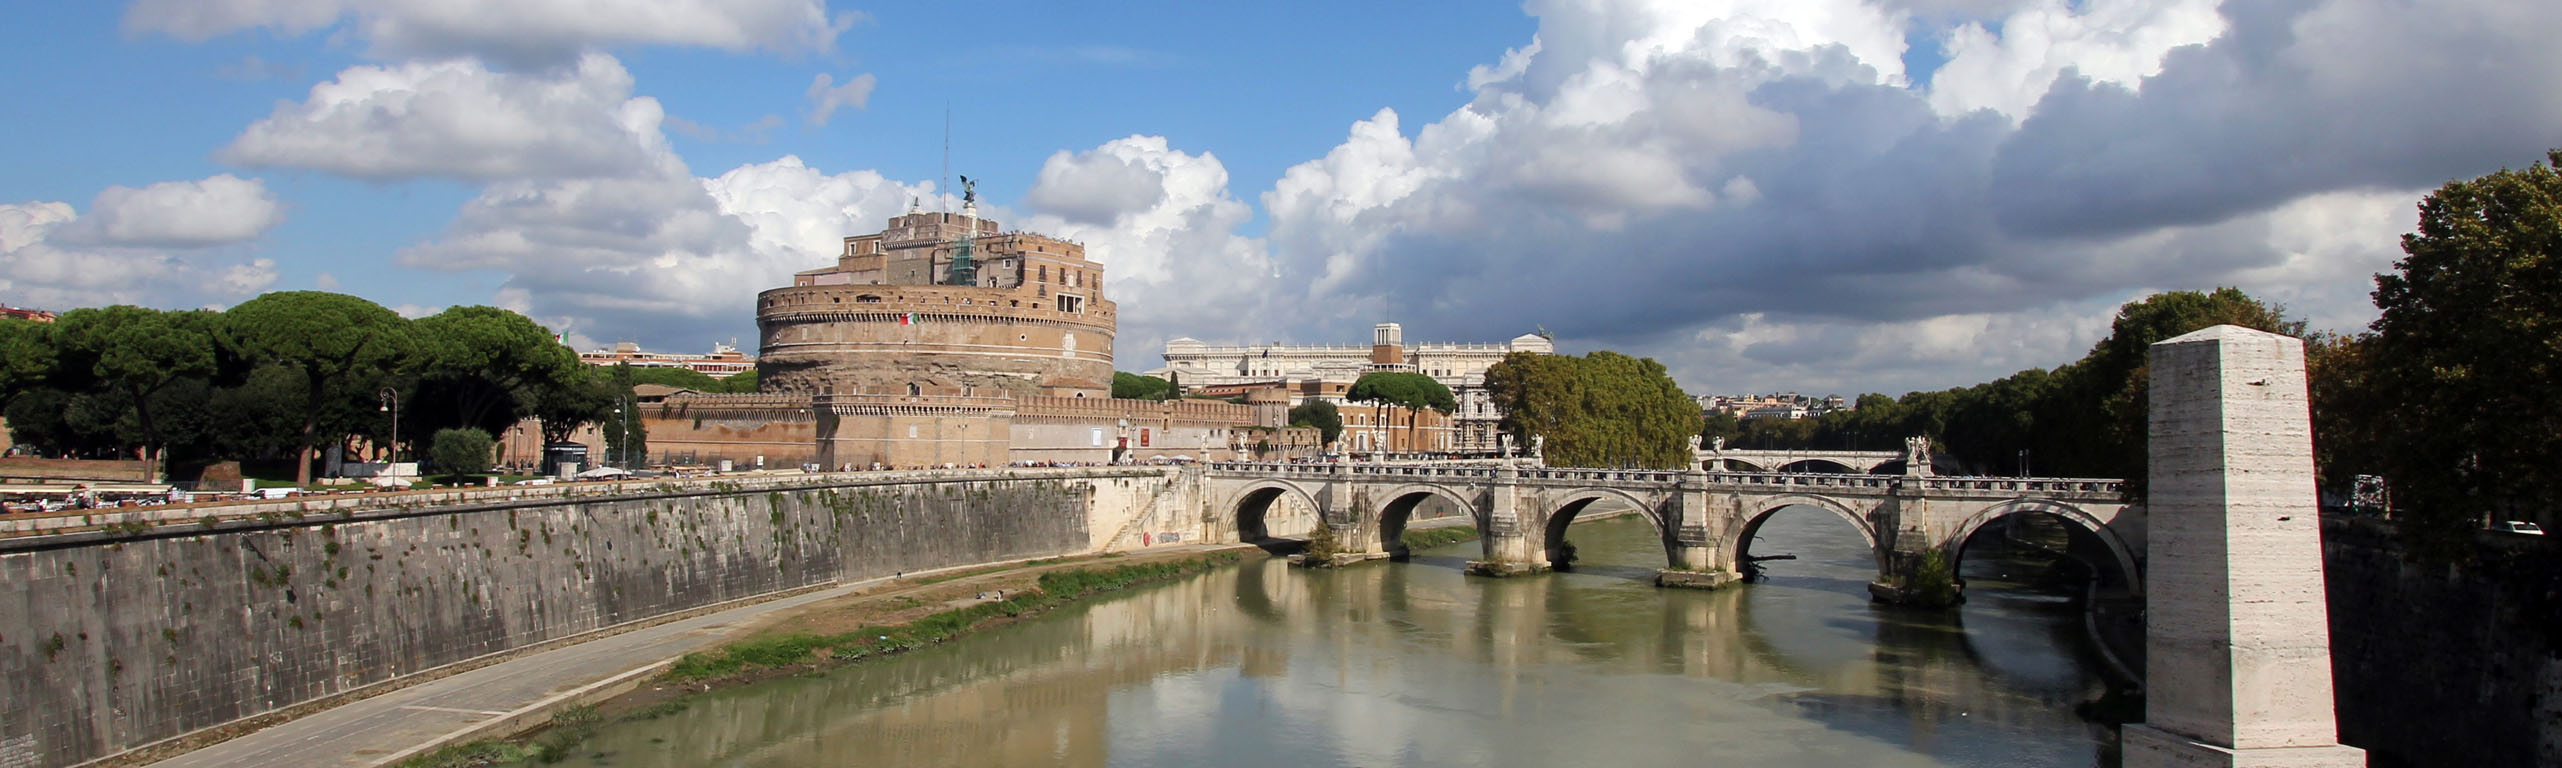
1164	226
458	119
657	257
2105	41
217	210
518	31
2296	99
161	244
1754	191
825	96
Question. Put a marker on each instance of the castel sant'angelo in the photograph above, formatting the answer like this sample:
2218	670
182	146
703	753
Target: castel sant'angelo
945	340
942	304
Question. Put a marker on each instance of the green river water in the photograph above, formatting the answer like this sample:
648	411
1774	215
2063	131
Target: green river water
1414	663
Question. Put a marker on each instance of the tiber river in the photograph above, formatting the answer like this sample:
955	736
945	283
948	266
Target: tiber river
1415	664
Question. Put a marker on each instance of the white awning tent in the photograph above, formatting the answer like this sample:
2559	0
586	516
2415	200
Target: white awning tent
601	473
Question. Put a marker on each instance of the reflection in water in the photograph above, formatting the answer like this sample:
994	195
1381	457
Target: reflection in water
1416	664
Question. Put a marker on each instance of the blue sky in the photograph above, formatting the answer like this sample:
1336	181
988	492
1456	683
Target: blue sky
1819	195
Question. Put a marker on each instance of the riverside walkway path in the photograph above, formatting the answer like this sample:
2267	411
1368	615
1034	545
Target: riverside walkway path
393	726
511	695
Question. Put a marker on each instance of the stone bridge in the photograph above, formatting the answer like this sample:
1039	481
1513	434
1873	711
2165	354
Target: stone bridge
1721	459
1706	519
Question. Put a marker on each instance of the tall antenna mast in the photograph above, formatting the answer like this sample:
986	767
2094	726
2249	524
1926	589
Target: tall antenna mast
943	193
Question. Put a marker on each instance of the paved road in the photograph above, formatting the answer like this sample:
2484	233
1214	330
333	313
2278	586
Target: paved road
370	731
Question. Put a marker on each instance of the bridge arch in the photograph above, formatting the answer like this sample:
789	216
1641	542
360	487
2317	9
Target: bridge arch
1563	506
2127	565
1822	465
1749	524
1396	509
1249	506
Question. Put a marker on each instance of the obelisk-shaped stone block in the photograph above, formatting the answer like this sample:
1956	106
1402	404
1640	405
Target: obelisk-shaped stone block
2237	633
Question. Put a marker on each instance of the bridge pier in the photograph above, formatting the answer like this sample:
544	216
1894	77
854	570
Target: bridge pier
1513	545
1693	546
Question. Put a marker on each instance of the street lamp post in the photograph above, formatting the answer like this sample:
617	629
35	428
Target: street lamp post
623	444
391	405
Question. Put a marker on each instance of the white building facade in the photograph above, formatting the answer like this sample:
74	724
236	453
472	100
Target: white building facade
1325	372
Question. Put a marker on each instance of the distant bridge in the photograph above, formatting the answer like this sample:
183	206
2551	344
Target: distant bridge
1706	519
1796	461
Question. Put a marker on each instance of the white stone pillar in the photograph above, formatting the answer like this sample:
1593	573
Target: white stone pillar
2237	634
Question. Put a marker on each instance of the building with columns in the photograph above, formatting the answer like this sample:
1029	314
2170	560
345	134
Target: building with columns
1324	372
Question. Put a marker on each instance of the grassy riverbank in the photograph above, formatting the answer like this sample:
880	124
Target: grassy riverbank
1438	537
781	651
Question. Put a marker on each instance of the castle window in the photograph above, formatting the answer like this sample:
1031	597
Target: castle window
1045	273
867	299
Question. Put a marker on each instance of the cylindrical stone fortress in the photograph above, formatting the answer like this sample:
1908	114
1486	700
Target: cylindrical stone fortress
885	321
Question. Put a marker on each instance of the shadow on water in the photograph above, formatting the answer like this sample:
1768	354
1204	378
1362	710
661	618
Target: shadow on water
1996	678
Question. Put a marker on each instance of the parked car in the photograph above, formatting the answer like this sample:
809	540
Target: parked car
2514	526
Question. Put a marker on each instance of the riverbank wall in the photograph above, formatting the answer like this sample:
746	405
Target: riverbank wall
119	633
2446	664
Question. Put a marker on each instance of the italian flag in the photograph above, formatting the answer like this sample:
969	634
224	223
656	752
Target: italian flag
907	318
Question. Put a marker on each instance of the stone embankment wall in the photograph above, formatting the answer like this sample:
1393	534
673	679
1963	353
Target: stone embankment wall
2440	664
117	637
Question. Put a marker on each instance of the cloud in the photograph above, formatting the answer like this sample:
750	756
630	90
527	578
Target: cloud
458	119
825	96
1101	185
1754	192
658	257
530	32
1164	226
217	210
2296	99
161	244
2105	41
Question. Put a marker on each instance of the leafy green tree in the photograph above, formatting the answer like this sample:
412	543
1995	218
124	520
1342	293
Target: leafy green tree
2349	403
1411	391
1321	415
2469	352
671	376
1131	386
741	383
1600	410
26	357
136	352
63	423
491	362
1721	425
626	433
587	398
328	338
460	452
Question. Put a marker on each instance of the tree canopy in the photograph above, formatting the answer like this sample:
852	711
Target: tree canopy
2084	419
2468	353
1403	389
1131	386
1320	414
282	375
459	452
1601	410
328	337
136	353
